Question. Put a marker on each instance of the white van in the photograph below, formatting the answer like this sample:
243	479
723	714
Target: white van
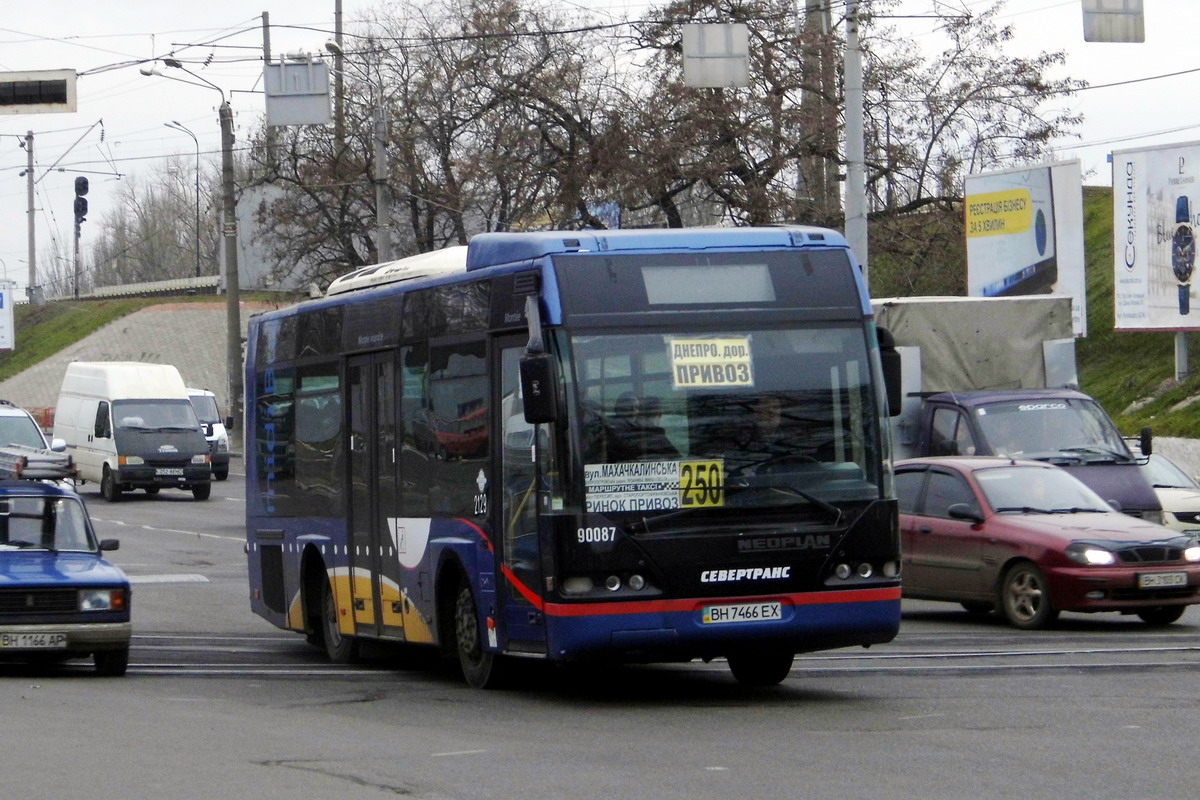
216	430
130	425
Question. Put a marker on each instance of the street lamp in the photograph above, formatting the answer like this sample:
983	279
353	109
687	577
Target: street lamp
233	316
174	125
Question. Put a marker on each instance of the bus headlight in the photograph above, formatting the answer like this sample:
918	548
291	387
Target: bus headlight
843	571
579	584
637	582
612	583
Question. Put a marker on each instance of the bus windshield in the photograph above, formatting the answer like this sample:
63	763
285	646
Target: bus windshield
736	419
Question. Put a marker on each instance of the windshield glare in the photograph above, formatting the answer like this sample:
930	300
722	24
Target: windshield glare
1027	427
154	415
738	419
1037	488
42	523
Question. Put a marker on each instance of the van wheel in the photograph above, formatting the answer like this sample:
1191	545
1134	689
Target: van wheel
201	491
108	487
221	473
152	489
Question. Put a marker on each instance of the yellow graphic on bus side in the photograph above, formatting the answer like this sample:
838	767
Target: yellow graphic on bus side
999	213
698	363
701	484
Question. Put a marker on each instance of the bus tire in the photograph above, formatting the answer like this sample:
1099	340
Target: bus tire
339	649
760	668
480	669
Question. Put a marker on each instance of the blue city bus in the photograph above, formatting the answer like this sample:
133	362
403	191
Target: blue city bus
626	446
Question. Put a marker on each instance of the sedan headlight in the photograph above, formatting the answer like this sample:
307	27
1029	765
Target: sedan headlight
102	600
1090	554
1192	553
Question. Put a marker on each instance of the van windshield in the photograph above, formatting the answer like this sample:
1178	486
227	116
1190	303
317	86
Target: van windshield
155	415
206	408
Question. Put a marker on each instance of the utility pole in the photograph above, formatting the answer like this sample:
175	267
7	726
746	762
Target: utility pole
31	293
339	107
383	205
233	316
856	185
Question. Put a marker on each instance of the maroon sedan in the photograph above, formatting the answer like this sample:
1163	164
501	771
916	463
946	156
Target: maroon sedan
1031	540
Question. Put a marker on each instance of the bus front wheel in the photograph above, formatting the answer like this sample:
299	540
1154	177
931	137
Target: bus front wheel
479	667
339	649
760	668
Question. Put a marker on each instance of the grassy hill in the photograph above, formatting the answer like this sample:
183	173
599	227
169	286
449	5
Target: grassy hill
1131	374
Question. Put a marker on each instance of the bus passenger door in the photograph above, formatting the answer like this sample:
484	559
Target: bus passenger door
372	473
515	516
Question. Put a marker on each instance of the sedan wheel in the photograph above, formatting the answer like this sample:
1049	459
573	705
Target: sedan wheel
1025	598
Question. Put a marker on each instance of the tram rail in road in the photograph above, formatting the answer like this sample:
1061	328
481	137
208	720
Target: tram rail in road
286	657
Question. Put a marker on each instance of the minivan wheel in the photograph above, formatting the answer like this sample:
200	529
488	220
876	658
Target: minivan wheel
201	491
108	486
221	473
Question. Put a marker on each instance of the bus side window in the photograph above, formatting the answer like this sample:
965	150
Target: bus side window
417	441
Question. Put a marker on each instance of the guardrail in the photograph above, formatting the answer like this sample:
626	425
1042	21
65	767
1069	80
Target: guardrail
205	285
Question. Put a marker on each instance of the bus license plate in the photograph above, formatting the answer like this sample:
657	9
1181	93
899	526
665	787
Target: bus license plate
33	641
169	471
742	612
1159	580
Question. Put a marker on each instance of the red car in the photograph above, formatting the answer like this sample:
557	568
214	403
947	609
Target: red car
1030	540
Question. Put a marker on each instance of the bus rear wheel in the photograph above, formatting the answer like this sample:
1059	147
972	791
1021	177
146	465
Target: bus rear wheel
480	668
760	668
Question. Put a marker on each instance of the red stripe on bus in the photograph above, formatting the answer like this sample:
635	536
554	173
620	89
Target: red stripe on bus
693	604
478	530
529	595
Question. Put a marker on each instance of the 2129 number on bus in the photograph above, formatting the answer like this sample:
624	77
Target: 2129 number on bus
701	483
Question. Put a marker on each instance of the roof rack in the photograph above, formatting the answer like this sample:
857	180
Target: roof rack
31	463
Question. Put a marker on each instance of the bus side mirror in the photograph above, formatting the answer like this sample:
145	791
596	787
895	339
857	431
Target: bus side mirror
538	388
889	360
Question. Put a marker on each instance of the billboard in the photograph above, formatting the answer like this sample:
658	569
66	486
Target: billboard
1156	208
7	330
1024	229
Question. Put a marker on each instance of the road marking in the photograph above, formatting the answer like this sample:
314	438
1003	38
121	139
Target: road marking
198	534
179	578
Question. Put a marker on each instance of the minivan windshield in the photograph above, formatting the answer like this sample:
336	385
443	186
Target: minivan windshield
1046	428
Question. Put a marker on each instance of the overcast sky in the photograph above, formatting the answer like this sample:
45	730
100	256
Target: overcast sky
119	127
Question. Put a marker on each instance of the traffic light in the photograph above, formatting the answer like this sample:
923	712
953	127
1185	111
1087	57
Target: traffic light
81	207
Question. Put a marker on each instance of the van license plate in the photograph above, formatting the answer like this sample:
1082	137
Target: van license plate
169	471
1159	580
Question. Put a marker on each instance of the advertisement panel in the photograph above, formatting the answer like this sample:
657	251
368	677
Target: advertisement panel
1024	229
7	331
1156	207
